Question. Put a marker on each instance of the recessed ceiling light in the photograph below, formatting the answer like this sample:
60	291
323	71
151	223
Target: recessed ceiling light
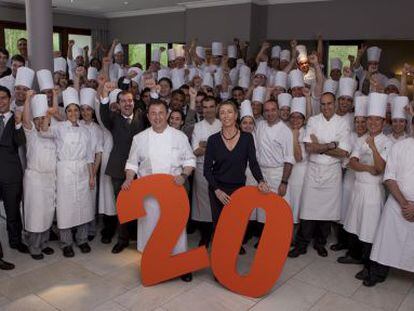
126	2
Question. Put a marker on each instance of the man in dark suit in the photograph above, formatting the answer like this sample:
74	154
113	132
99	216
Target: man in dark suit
11	177
123	127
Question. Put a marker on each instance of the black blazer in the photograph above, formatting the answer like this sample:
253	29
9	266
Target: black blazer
11	170
122	134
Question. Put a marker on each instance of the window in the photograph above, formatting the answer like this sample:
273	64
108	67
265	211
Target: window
12	35
81	41
341	52
137	53
163	60
177	45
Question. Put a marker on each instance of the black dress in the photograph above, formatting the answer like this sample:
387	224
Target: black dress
226	170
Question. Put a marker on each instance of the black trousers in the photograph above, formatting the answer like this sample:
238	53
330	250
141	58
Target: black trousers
111	223
12	196
1	251
216	205
358	249
318	230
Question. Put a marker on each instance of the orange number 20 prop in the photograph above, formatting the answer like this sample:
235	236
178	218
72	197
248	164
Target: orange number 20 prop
159	265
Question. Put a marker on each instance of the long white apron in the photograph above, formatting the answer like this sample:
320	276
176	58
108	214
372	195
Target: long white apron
106	204
273	176
394	240
295	187
201	209
251	181
322	192
74	197
347	187
161	157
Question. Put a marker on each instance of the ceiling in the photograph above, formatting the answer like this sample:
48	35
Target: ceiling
120	8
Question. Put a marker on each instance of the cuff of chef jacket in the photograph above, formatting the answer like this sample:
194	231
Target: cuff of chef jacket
105	101
18	126
131	167
290	160
389	176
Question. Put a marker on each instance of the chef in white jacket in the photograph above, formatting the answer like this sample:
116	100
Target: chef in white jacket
201	210
326	141
39	183
75	177
399	119
394	240
368	160
159	149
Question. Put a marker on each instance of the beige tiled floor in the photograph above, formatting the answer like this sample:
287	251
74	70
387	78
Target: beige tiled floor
103	281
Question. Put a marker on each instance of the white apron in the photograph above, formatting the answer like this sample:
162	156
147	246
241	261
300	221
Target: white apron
273	177
295	187
106	204
201	209
251	181
322	191
159	163
347	187
74	197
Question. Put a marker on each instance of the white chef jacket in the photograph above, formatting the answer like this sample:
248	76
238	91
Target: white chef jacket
202	131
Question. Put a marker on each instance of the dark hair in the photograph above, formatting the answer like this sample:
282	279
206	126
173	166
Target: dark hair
5	52
166	80
184	87
230	103
145	90
178	111
95	59
18	58
209	98
5	90
237	88
123	86
157	102
22	39
123	92
180	92
201	93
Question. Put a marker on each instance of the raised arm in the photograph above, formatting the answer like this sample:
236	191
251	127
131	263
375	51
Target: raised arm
27	122
293	55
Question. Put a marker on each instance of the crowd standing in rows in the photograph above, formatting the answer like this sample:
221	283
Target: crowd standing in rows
337	148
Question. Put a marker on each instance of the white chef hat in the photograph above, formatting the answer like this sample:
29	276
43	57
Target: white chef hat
177	77
171	54
346	87
336	63
139	72
39	105
374	54
59	64
88	97
285	55
398	107
394	82
163	73
246	109
298	104
330	86
24	77
302	53
296	78
218	77
70	96
276	51
92	73
244	76
156	55
118	49
113	95
232	51
77	51
284	100
217	48
361	106
45	79
208	79
280	79
377	104
179	52
201	52
261	69
259	94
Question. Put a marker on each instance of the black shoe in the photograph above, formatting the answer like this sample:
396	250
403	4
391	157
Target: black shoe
188	277
362	275
119	247
20	247
53	236
90	238
48	251
85	248
338	247
349	260
37	257
321	251
106	240
296	252
68	251
242	251
370	282
4	265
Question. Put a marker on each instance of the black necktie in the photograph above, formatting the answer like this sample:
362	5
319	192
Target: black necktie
1	125
129	121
